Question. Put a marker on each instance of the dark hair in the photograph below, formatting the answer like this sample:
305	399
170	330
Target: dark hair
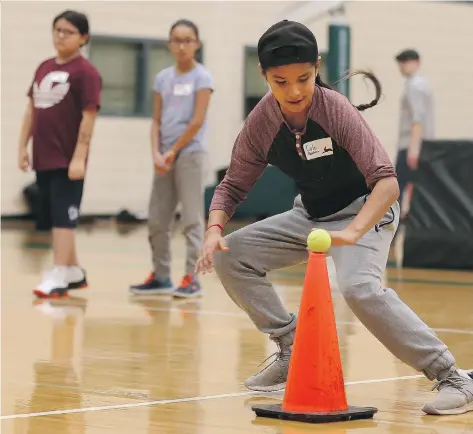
366	74
186	23
406	55
77	19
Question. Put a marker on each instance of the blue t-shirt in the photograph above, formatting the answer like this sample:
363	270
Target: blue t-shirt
178	100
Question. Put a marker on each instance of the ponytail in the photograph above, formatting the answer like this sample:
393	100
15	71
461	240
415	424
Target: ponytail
368	75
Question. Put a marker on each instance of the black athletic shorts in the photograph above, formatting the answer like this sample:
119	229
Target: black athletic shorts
59	199
405	174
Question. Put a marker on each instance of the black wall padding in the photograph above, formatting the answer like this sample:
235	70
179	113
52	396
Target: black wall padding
439	228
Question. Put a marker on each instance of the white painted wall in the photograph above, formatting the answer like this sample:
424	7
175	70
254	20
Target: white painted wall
442	33
120	170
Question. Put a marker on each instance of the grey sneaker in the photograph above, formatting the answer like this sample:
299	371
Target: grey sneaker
455	394
274	376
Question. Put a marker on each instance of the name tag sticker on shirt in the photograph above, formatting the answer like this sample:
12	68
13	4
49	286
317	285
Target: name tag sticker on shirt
183	89
318	148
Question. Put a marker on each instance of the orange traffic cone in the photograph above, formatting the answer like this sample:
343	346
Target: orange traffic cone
315	390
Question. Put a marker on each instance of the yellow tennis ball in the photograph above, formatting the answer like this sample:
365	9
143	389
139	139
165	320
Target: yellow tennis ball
319	241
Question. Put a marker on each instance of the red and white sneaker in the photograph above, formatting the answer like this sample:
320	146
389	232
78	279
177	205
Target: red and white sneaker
59	280
55	283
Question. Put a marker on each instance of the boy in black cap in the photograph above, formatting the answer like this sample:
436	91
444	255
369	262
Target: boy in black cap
347	186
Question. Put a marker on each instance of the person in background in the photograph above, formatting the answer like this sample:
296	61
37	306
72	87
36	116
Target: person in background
417	121
64	99
181	98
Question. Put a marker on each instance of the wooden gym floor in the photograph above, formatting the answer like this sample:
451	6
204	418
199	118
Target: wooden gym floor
104	362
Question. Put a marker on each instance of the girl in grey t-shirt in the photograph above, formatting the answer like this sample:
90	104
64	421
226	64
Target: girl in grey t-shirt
181	96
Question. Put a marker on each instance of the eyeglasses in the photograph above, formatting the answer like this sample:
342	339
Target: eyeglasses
186	41
65	33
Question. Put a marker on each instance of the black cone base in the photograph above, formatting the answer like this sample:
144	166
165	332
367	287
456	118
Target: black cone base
275	411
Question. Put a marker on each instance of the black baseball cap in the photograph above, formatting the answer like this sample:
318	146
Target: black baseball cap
287	42
406	55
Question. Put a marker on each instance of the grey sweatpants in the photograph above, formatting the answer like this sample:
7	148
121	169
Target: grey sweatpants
280	241
184	183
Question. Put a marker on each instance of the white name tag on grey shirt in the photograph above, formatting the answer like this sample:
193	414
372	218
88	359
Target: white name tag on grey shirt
183	89
318	148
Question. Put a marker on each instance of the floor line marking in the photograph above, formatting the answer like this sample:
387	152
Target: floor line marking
180	400
242	315
384	380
